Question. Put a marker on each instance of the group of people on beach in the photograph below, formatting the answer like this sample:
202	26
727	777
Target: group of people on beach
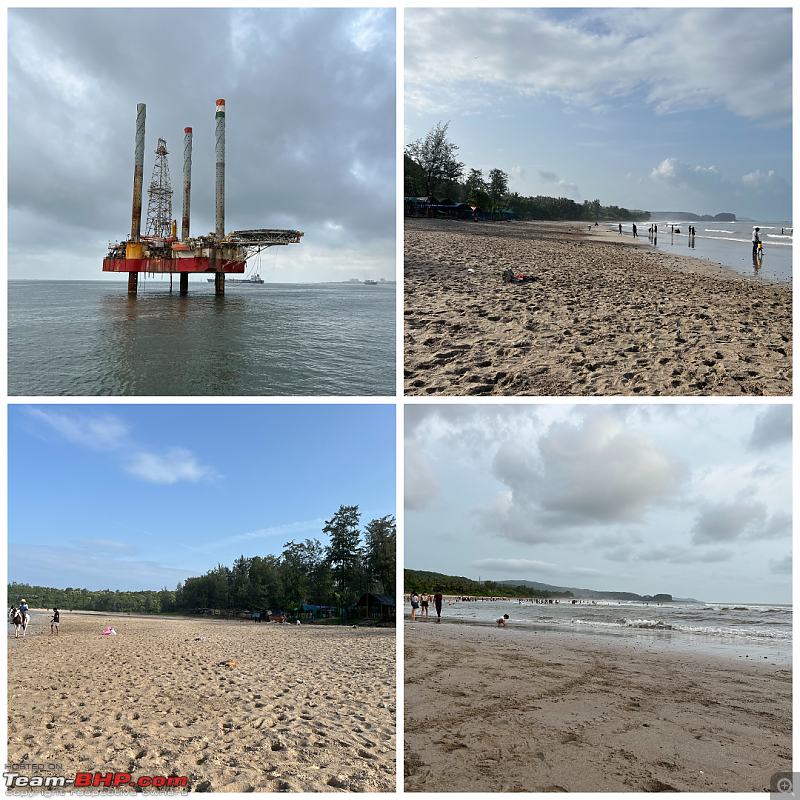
421	604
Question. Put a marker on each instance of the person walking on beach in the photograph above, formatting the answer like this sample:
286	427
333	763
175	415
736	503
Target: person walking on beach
414	605
437	599
425	599
756	243
620	229
54	623
634	231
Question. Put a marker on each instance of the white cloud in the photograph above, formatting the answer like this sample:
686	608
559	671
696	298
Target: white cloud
103	432
174	466
44	565
678	174
107	547
666	55
288	531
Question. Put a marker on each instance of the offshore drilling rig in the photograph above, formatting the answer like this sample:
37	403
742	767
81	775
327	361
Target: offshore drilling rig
160	250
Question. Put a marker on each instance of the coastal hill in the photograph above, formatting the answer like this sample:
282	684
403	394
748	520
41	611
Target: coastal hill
591	593
423	581
689	217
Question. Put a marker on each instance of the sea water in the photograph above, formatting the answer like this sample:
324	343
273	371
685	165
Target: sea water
745	630
728	243
93	338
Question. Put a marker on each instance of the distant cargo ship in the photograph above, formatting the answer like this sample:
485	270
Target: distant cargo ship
371	283
251	279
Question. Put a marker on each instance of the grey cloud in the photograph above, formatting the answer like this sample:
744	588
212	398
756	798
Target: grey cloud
310	97
677	554
421	485
623	553
736	520
782	566
773	427
550	177
518	566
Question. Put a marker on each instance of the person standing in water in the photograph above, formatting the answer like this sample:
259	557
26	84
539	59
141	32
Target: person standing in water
756	241
437	601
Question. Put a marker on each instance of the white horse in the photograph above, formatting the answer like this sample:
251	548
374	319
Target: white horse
20	623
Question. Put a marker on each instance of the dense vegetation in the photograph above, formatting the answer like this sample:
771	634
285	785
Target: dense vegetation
421	581
432	169
337	574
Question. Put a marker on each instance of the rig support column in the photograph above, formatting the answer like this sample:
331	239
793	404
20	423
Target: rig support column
187	181
184	288
219	282
136	217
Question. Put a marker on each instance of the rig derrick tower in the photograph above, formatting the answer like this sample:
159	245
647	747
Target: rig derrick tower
159	207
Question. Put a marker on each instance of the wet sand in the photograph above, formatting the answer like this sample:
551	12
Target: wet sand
505	710
603	316
305	709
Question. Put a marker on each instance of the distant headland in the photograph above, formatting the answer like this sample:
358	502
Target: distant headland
686	215
423	581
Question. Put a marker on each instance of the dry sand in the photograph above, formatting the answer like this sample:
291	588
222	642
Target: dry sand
602	317
504	710
306	709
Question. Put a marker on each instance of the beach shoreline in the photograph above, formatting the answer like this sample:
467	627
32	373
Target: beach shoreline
303	708
599	317
501	710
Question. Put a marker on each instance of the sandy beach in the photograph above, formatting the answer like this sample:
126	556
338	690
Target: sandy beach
505	710
306	708
602	316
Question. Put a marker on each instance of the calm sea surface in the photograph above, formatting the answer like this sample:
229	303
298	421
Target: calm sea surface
91	338
762	632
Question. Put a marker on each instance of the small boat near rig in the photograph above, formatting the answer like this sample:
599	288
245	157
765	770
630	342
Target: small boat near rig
160	250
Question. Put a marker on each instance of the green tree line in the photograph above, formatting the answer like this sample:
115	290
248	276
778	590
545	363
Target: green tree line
421	581
353	562
431	168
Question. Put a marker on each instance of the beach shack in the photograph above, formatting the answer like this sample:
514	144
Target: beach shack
375	606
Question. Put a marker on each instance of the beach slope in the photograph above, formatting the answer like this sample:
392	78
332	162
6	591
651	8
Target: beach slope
600	317
504	710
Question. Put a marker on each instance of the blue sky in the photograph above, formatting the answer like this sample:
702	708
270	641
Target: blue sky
674	109
692	500
141	496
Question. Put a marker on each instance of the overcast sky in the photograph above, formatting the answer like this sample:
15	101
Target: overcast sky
137	497
675	109
310	131
692	500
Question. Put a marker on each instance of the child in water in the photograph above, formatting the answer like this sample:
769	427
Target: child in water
501	621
